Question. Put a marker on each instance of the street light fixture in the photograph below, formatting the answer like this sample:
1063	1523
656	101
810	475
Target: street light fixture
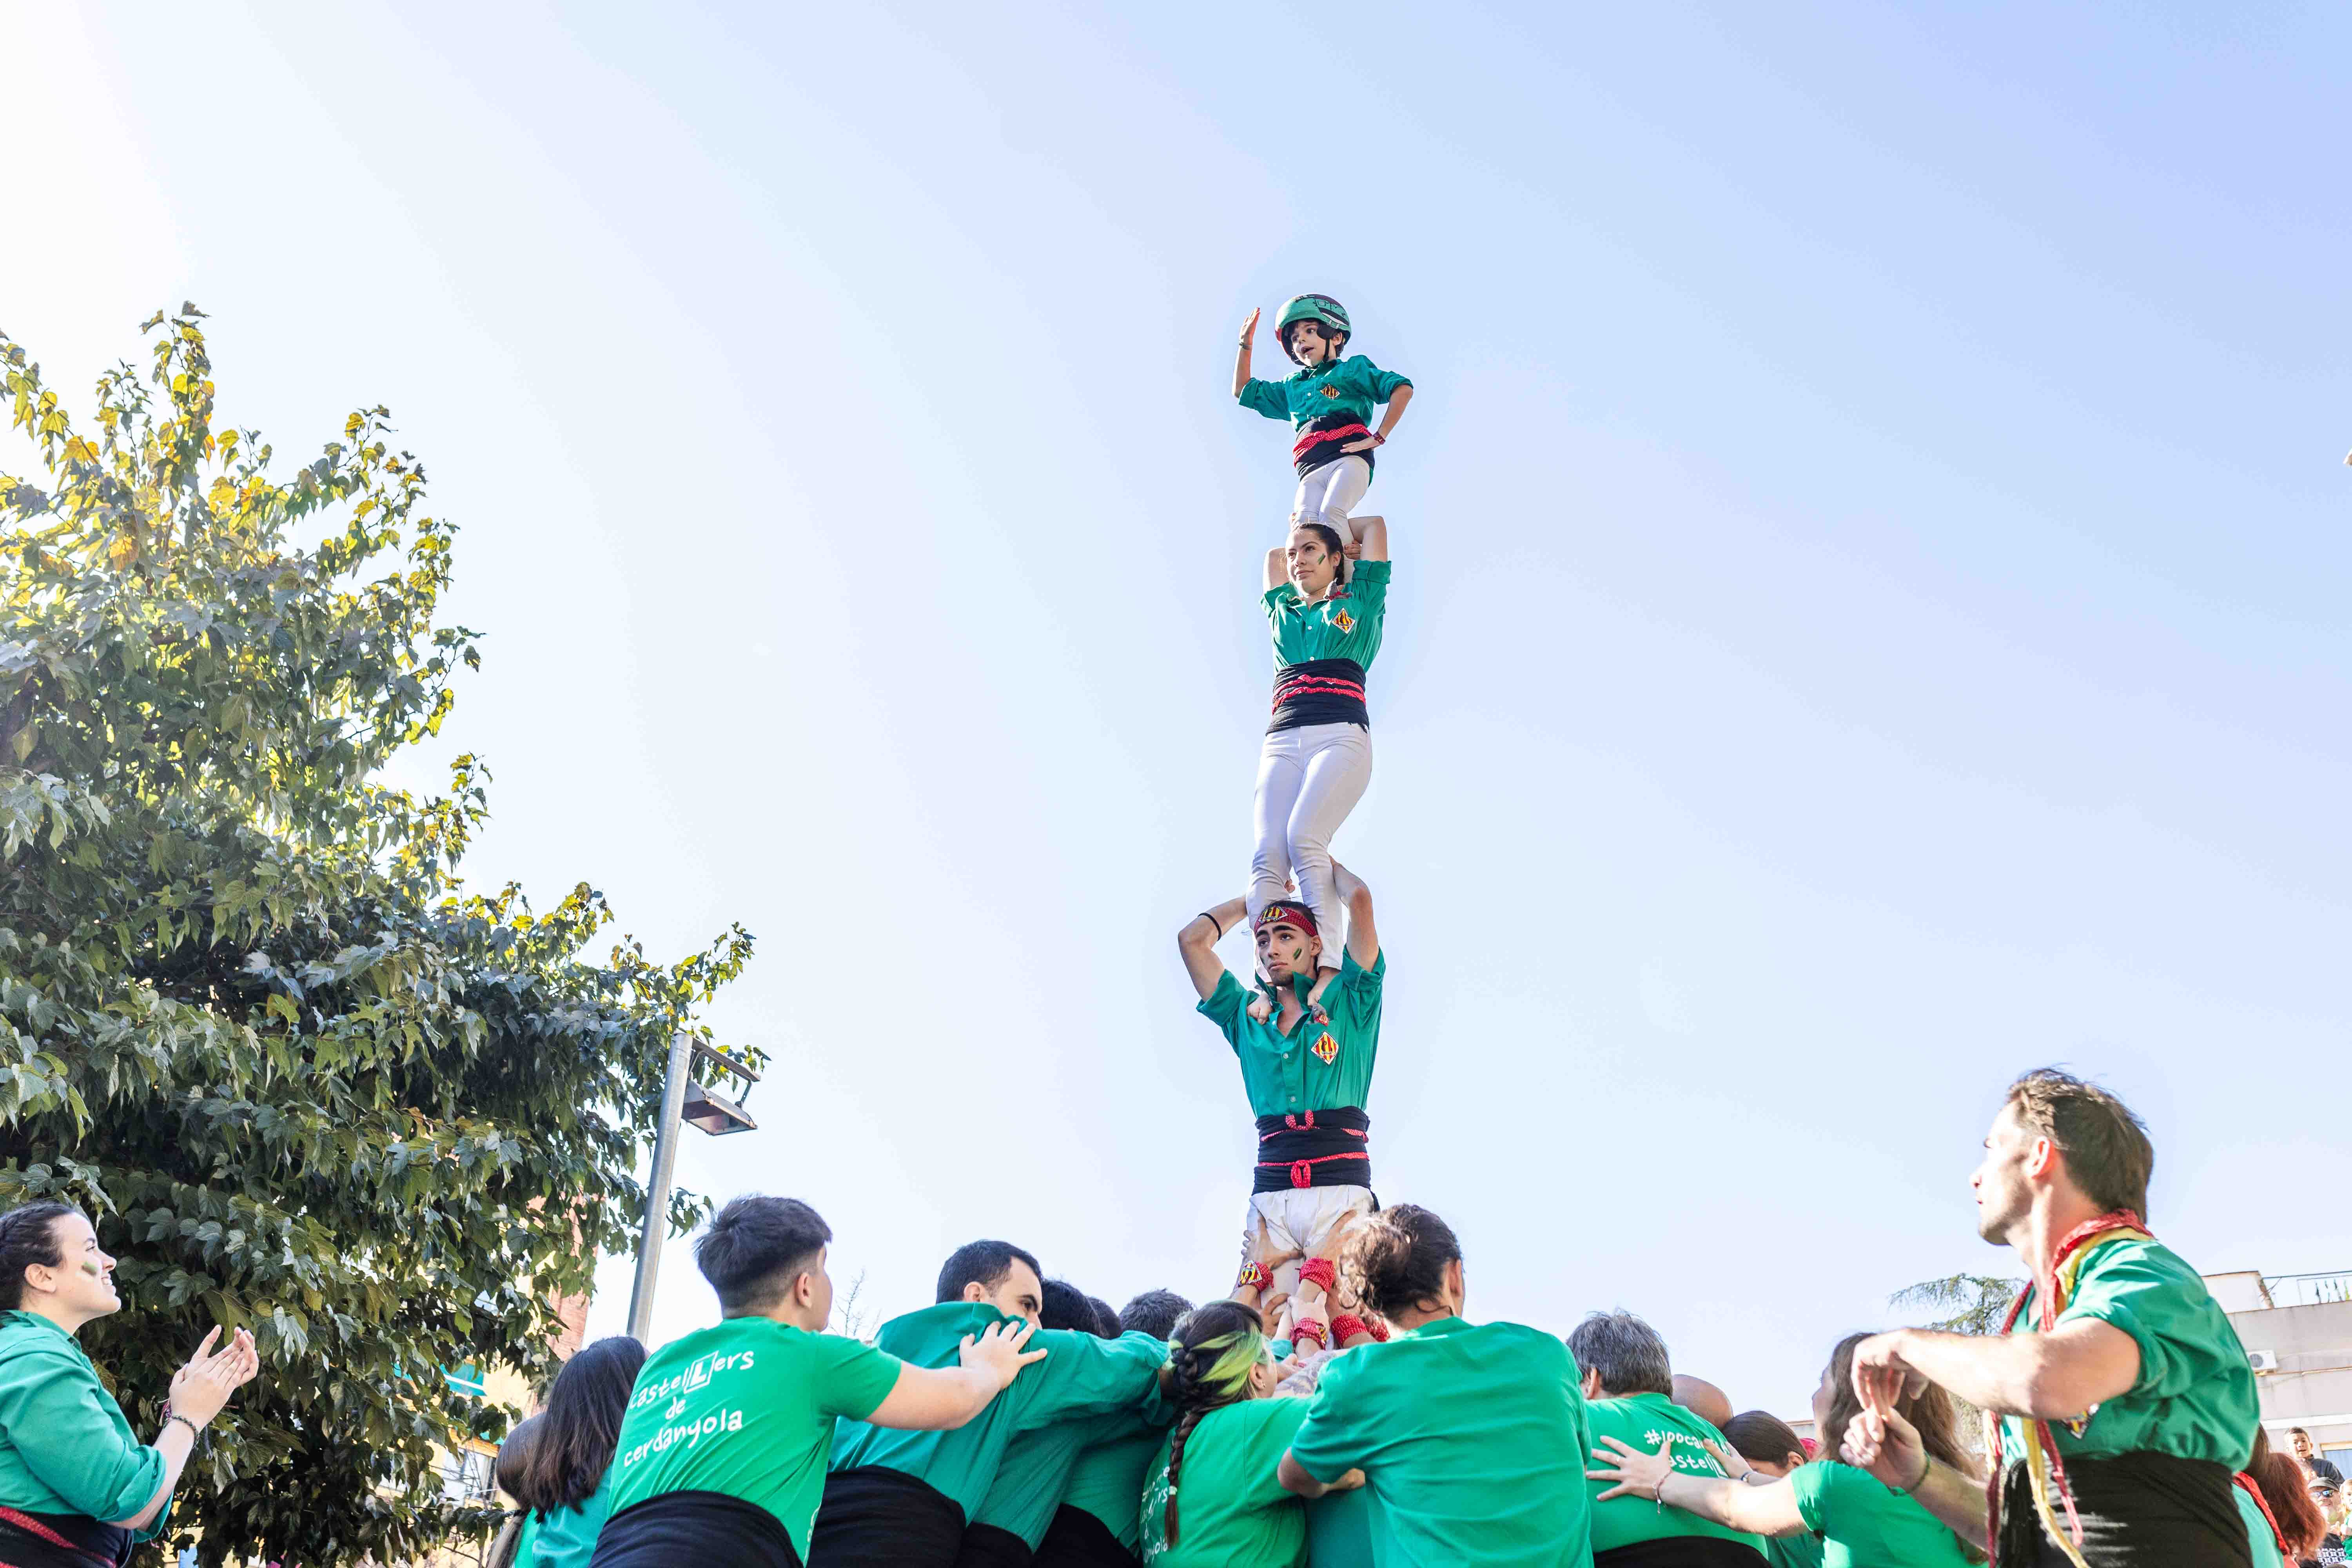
684	1103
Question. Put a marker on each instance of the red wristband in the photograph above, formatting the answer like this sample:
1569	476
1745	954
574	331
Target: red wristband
1304	1330
1346	1327
1378	1328
1318	1271
1252	1276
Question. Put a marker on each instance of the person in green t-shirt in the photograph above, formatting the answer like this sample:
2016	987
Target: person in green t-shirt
1095	1527
70	1469
2127	1401
1628	1380
1861	1521
1471	1437
1327	400
903	1500
721	1455
521	1530
1306	1067
1771	1448
1215	1496
566	1479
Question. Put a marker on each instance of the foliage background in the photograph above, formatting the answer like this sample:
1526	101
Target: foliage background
306	1081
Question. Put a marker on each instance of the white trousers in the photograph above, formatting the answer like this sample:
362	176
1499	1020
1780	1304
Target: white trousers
1327	494
1300	1218
1309	780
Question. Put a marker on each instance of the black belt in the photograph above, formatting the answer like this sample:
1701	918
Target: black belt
2138	1510
1319	692
874	1515
1313	1149
694	1527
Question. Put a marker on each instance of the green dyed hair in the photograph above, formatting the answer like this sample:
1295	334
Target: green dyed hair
1209	1359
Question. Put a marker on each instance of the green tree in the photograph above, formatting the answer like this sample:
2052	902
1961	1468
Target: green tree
1970	1303
250	1017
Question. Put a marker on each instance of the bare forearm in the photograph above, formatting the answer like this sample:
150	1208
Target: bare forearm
1240	368
1398	403
1759	1511
1956	1497
2045	1377
1295	1480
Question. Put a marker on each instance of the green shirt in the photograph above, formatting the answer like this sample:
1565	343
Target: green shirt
1316	1067
747	1409
1340	1528
1231	1507
1868	1525
1803	1550
64	1445
1344	623
1646	1422
2195	1394
2259	1536
1108	1481
1472	1441
526	1540
1034	1478
567	1536
1081	1377
1352	386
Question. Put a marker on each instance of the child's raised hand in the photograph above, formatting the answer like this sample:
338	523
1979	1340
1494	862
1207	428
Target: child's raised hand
1249	328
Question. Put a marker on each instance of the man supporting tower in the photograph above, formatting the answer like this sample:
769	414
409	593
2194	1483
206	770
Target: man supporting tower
1307	1070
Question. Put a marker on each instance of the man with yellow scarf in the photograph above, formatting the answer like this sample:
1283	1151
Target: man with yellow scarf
2119	1399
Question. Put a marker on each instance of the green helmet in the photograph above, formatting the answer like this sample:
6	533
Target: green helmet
1320	308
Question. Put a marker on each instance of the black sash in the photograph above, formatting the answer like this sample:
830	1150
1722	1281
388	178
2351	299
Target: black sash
1079	1540
62	1540
1314	1148
986	1546
1682	1551
2138	1510
694	1527
874	1515
1319	692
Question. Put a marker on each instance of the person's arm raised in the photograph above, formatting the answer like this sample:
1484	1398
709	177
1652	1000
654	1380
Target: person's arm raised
1198	943
1371	539
1242	356
1278	568
1364	936
939	1399
199	1389
1759	1510
1888	1447
2056	1376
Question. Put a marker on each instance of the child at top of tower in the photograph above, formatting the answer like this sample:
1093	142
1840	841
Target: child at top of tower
1328	401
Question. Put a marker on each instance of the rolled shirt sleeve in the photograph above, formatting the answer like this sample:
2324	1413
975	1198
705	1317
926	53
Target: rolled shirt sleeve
1085	1375
1224	1007
69	1433
1267	397
1372	380
2140	1297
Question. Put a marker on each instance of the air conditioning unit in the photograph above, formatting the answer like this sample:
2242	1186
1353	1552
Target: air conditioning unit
2262	1360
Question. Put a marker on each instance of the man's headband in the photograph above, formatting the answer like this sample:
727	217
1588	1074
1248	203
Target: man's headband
1285	911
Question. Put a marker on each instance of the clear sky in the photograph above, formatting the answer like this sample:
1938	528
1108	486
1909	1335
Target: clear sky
1869	618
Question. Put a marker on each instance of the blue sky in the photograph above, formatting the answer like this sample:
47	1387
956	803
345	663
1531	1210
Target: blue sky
1871	557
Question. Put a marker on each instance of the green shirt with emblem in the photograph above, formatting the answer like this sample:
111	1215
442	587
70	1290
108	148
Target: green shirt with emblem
1352	385
745	1408
1472	1441
64	1447
1231	1507
1315	1067
2195	1394
1081	1377
1864	1523
1646	1422
1033	1481
1345	623
1107	1479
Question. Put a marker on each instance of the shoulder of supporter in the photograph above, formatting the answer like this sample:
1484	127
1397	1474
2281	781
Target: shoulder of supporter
2157	1298
1225	1007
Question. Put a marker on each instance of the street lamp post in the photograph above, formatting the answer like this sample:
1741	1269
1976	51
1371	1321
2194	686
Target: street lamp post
684	1103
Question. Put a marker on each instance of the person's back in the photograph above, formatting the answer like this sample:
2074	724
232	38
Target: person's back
1632	1532
1233	1508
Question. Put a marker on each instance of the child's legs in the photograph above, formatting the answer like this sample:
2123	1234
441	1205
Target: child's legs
1278	1210
1338	769
1328	494
1281	771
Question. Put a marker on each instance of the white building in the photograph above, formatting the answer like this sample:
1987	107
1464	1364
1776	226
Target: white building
2297	1331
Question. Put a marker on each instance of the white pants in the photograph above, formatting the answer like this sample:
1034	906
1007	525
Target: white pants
1309	780
1327	494
1300	1218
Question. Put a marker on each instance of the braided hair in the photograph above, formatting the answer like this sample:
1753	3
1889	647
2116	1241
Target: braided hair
1209	1359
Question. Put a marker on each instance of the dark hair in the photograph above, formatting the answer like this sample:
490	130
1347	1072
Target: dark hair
981	1263
1065	1306
1930	1410
28	1235
514	1455
1397	1259
2106	1148
1333	545
580	1427
1628	1354
756	1248
1154	1313
1209	1361
1763	1437
1105	1320
2291	1432
2281	1481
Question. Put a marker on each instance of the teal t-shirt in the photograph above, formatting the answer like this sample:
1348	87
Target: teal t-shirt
1315	1067
1344	623
2260	1537
1472	1441
1081	1377
1803	1550
64	1447
1231	1507
567	1536
2195	1394
1351	386
745	1408
1107	1479
1340	1529
1864	1523
1646	1422
1033	1480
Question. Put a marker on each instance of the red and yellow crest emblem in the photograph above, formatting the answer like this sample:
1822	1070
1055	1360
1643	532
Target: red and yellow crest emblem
1325	1047
1343	620
1332	392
